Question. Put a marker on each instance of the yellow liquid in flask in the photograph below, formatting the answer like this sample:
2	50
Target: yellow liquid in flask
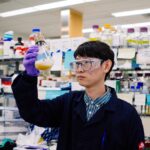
43	65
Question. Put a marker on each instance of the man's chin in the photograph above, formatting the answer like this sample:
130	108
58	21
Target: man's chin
83	84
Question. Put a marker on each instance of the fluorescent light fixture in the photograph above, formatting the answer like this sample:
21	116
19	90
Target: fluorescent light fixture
131	13
54	5
143	24
61	4
18	12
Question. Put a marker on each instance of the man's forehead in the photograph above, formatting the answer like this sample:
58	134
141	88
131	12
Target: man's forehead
84	58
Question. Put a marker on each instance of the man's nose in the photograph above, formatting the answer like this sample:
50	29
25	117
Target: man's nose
79	68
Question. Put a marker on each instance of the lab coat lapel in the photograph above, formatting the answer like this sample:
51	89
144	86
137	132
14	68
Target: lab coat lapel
80	108
105	111
110	107
98	117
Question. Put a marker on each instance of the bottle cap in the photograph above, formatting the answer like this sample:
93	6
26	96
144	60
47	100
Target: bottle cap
95	26
1	42
147	74
107	26
36	30
132	87
131	30
140	84
143	29
137	87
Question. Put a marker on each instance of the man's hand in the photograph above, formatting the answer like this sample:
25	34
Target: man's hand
29	61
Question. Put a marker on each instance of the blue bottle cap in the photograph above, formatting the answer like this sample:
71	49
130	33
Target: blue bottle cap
36	30
132	87
140	84
137	87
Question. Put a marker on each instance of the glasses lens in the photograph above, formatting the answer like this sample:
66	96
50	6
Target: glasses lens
85	65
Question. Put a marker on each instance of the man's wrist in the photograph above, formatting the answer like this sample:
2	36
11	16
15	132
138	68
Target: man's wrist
28	77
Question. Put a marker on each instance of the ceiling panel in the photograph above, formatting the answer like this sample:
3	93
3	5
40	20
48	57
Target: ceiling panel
49	21
8	5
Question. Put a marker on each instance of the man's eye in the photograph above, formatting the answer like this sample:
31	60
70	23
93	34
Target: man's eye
78	63
87	62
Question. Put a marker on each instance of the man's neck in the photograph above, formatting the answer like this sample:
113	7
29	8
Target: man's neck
96	91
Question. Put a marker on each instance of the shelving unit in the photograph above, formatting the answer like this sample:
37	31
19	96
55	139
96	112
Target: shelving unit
9	60
47	92
11	124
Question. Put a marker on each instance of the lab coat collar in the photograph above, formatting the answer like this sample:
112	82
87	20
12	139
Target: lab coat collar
111	105
80	108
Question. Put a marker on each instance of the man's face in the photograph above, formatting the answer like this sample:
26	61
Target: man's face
89	71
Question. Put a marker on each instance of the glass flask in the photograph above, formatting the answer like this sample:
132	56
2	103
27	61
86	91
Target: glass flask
43	61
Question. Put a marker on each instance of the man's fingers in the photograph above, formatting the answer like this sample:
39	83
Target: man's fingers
29	62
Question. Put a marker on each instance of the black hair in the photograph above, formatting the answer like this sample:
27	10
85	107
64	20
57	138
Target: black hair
96	49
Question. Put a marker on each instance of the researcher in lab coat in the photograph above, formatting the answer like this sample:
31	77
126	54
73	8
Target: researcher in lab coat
93	119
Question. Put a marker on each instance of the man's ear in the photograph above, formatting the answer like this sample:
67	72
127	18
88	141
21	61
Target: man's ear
107	65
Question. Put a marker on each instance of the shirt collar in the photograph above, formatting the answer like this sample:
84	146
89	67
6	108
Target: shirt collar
110	106
88	100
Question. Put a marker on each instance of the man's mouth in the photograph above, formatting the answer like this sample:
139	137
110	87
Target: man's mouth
80	77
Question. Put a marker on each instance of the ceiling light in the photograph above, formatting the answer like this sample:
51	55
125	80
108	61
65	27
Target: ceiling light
18	12
54	5
131	13
135	25
62	4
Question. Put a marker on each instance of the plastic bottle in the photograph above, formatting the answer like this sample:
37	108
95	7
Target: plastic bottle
19	47
94	36
107	35
8	36
147	81
143	37
138	89
8	42
133	84
149	34
124	86
145	90
1	47
131	38
136	36
115	38
100	33
118	38
34	36
123	41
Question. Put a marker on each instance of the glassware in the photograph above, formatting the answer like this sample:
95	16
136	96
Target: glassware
143	37
94	36
43	61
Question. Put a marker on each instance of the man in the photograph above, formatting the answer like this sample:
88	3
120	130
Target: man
94	119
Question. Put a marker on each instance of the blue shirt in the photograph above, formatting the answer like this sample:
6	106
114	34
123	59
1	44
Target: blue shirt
92	106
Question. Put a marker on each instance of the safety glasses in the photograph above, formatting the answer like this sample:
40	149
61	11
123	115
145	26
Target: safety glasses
87	64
